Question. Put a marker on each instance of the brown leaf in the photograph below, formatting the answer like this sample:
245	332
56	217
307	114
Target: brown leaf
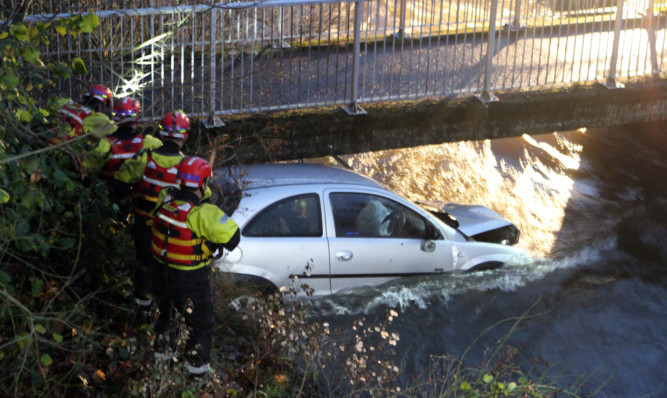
35	176
99	374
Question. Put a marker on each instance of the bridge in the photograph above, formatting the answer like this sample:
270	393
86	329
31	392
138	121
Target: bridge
404	72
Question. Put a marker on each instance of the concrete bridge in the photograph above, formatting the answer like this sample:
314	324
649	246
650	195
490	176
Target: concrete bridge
329	130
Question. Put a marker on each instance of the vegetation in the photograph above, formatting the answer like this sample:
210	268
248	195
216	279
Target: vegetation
65	261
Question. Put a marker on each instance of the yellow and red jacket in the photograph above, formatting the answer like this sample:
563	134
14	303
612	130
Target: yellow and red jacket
183	226
112	151
149	171
74	114
119	151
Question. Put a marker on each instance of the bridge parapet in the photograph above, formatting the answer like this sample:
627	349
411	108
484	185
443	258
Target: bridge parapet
234	58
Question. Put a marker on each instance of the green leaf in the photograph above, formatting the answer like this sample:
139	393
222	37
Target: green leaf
488	378
23	115
57	337
37	285
511	386
61	27
31	55
89	22
465	386
23	339
4	197
79	67
67	243
5	278
40	329
62	101
46	360
20	32
10	81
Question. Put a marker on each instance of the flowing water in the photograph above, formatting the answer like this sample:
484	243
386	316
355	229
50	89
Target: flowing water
592	208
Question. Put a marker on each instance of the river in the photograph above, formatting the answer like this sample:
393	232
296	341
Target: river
592	208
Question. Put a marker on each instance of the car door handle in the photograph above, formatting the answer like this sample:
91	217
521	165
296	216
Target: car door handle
344	256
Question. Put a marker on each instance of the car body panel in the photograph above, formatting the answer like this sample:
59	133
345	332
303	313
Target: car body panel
346	253
473	219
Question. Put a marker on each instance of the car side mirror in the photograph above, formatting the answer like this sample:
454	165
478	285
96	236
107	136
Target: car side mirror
428	244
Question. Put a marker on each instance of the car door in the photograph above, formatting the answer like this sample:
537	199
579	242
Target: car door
287	241
376	238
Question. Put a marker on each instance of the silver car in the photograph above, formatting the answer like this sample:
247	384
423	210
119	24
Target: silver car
334	229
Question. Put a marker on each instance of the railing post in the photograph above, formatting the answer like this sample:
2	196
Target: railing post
648	21
213	121
611	78
485	96
515	24
353	108
401	35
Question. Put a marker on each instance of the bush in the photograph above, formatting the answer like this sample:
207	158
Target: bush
62	263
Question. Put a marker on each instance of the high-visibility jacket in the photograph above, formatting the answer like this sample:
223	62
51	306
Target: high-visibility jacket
74	114
120	150
150	171
110	153
83	120
181	228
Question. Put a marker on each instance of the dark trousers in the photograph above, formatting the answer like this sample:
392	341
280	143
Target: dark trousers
145	276
188	292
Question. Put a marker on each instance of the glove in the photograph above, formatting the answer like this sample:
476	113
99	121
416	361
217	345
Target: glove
218	253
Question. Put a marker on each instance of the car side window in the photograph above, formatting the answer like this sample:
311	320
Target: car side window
371	216
294	216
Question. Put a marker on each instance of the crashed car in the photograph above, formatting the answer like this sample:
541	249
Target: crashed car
333	229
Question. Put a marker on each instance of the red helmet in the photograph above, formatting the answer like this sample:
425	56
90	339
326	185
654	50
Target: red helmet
193	172
100	93
126	110
175	124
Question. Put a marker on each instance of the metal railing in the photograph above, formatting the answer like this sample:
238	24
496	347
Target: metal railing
215	59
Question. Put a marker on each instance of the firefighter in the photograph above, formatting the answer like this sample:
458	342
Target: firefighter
112	151
87	116
185	235
141	178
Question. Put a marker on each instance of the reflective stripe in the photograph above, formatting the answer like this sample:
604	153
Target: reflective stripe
146	197
172	221
223	220
72	115
164	356
173	134
158	183
143	303
177	256
152	165
143	214
188	267
122	156
179	242
200	369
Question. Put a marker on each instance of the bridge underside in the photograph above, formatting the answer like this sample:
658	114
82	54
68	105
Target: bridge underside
326	131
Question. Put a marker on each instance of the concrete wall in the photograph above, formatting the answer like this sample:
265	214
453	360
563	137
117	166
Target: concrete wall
324	131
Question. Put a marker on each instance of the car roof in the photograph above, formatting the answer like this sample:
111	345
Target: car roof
277	174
